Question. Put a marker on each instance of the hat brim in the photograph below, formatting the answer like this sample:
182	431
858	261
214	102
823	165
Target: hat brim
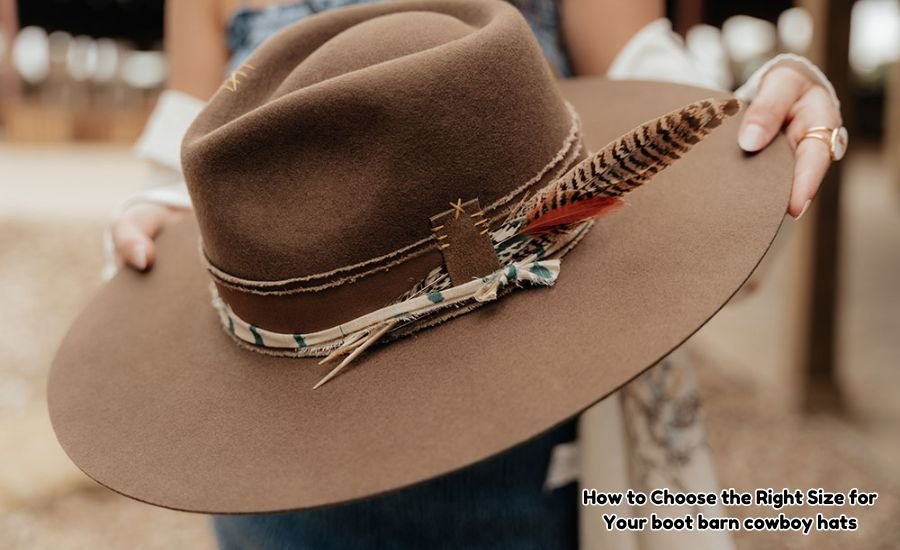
151	398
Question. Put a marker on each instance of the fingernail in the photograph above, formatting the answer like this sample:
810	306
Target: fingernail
752	138
139	257
805	208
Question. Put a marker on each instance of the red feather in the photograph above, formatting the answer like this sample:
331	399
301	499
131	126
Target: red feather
594	185
572	213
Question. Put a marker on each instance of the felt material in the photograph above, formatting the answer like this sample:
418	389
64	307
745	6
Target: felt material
312	311
150	397
361	130
463	236
401	106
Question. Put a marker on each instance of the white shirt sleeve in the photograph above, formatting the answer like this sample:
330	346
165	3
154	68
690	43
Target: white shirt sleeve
160	145
657	53
160	142
750	88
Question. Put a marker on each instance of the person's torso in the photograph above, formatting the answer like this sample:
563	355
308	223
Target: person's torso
249	26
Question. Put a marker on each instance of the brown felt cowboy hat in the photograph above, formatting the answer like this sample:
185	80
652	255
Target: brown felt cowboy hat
406	185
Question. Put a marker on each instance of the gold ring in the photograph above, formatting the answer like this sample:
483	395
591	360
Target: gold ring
836	139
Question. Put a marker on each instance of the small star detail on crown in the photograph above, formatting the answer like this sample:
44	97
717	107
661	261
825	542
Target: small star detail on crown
232	82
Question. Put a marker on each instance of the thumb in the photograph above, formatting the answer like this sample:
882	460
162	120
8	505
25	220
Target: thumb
132	244
134	231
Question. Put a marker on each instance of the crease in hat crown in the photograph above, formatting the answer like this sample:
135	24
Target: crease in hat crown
354	126
316	166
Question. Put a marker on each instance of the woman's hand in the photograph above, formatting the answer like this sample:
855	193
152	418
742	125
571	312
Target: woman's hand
788	98
134	230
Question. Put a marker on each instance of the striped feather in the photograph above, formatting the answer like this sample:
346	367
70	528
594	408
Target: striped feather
623	165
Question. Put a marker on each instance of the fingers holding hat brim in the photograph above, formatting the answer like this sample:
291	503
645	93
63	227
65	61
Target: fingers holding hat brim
813	156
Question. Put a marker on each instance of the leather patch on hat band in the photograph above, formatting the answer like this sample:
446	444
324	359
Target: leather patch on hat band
463	237
571	151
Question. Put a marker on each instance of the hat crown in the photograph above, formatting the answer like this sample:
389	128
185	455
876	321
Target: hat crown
343	134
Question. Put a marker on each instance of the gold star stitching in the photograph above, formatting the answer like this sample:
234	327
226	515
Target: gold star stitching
458	207
232	82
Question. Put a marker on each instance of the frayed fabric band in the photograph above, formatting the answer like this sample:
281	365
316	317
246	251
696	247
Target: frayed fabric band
563	159
526	259
321	343
528	244
531	260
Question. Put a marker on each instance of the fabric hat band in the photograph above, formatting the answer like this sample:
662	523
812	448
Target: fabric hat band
315	303
533	260
480	262
429	296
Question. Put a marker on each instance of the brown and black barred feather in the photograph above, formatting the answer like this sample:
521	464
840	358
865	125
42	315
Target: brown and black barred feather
595	186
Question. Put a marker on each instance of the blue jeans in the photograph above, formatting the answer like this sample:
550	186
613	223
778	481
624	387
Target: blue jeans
496	504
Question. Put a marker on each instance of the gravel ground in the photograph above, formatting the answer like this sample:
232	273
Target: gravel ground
47	274
760	441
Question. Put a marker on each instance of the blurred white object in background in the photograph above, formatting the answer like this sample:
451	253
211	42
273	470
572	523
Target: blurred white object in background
874	34
81	59
59	44
749	42
58	87
107	63
704	42
145	70
31	55
747	37
795	30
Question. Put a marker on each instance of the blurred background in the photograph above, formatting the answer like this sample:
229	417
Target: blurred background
799	374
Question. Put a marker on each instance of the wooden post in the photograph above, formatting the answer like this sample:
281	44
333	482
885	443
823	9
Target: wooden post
892	123
9	27
819	336
686	14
